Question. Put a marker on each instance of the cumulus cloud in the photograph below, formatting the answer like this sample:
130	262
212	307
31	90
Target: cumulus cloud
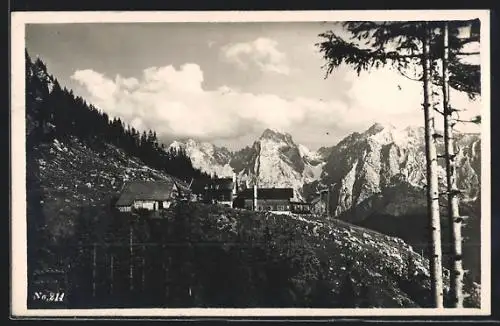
174	103
101	88
385	96
262	53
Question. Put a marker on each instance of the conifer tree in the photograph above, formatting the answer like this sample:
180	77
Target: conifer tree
405	46
455	220
407	39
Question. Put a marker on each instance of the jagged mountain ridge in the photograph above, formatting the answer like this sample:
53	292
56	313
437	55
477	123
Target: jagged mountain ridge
273	160
371	161
385	157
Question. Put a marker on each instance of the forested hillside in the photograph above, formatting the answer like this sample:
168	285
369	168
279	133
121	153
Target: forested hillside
53	112
77	159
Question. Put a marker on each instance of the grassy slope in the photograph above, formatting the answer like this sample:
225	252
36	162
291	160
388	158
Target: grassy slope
414	230
267	260
75	178
400	211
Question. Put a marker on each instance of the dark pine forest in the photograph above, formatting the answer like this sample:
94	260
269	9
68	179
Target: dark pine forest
59	114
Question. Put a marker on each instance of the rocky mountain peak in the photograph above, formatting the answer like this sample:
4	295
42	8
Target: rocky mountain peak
276	135
379	127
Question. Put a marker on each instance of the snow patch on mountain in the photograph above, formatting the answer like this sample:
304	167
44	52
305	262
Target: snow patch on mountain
312	172
304	151
314	158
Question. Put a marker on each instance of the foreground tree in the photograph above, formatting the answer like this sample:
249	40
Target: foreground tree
455	221
397	43
405	46
432	177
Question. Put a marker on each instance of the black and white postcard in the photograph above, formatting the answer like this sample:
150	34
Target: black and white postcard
250	163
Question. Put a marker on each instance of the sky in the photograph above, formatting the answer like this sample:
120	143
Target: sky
226	82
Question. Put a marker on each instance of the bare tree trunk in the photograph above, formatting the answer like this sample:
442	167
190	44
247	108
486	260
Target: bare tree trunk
328	203
94	267
432	182
455	222
111	274
143	265
131	266
165	282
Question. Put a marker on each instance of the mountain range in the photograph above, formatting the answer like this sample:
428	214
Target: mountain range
358	167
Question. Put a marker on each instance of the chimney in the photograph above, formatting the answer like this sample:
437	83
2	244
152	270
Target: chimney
255	197
235	185
233	194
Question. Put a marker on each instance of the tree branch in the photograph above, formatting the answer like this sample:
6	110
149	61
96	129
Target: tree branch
440	112
410	78
467	53
406	37
466	121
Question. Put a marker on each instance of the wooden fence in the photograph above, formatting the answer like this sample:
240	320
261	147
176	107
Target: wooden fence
117	275
136	275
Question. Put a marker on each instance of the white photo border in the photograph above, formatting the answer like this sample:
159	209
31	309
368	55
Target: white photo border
18	158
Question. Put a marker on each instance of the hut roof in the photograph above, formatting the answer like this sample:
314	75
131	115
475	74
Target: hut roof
215	184
267	193
149	190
